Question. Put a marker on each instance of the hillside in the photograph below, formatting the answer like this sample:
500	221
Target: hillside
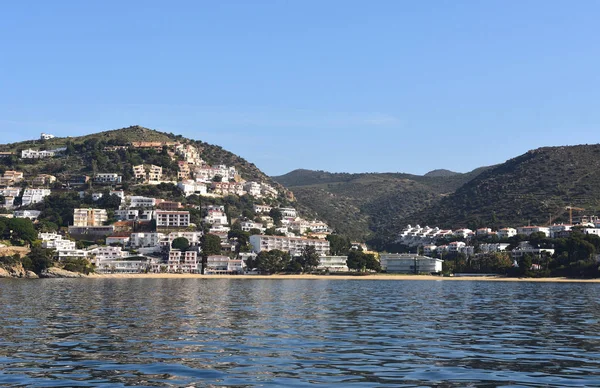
368	204
441	173
531	188
87	154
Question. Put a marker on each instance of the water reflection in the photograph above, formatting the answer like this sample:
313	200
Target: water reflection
191	332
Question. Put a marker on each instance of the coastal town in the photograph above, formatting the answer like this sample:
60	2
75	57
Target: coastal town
190	227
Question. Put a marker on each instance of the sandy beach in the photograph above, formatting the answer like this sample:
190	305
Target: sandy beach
337	277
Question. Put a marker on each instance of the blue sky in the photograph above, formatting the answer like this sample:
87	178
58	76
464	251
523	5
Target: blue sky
351	86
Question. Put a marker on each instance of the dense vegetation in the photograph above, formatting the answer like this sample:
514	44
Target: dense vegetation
87	155
369	206
532	188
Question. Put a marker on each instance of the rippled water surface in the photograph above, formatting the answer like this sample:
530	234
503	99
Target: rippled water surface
219	332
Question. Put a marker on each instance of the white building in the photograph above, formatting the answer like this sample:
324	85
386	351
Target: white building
505	233
89	217
253	189
262	208
288	212
218	264
190	187
139	240
121	266
456	246
184	262
463	233
140	201
194	238
483	231
409	263
166	219
46	136
107	253
31	214
333	263
31	196
294	245
557	229
249	225
527	230
134	215
107	178
35	154
526	248
429	249
493	247
216	217
72	254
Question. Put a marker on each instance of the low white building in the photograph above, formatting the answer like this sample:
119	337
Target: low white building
493	247
218	264
456	246
527	230
46	136
107	178
288	212
107	253
526	248
409	263
333	263
36	154
31	196
505	233
261	208
121	266
31	214
190	187
139	240
194	238
249	225
138	201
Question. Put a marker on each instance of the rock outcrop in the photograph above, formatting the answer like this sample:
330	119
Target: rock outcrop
55	272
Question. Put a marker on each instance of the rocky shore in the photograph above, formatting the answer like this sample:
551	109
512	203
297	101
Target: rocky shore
17	271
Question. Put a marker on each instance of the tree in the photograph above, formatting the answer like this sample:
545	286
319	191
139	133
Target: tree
217	178
309	258
181	243
211	245
356	261
20	229
338	245
272	261
276	215
38	259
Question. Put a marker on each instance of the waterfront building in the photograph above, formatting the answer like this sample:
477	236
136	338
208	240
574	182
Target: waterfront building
409	263
294	245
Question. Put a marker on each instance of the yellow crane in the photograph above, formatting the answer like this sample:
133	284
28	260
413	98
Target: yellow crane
570	209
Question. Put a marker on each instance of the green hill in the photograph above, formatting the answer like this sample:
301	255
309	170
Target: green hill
532	188
369	204
87	154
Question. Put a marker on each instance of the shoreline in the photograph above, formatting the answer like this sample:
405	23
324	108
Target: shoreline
338	277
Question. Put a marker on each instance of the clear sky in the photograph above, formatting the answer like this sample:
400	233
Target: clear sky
355	86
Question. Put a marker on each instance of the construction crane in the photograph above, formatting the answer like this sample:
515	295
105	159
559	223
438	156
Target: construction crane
570	209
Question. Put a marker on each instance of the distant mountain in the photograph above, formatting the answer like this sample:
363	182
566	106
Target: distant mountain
368	204
532	188
441	173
